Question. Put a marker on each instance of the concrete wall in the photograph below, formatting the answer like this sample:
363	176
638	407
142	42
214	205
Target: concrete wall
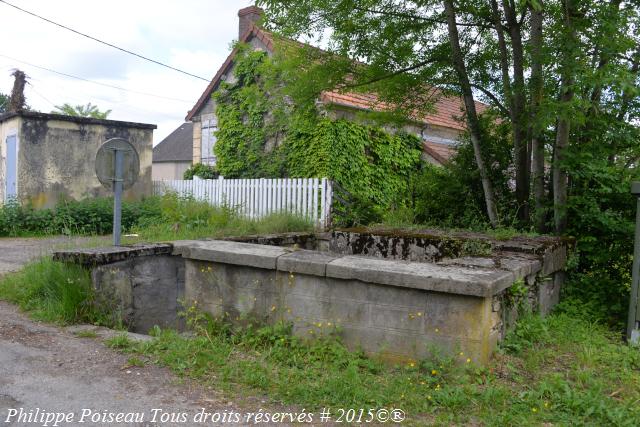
146	291
57	153
388	307
163	171
141	286
391	322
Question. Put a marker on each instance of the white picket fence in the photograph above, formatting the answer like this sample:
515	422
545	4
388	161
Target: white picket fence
256	198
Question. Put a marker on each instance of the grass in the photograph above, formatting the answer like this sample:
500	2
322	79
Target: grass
86	334
561	370
156	218
220	224
53	292
186	218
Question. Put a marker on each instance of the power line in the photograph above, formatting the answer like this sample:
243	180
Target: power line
103	42
94	82
41	95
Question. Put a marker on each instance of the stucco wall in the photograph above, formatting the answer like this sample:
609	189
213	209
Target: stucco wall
56	158
163	171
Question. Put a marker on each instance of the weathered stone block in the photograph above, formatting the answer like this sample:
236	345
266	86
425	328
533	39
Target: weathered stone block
305	262
237	253
433	277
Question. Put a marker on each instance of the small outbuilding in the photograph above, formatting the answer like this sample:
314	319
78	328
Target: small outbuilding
46	157
174	155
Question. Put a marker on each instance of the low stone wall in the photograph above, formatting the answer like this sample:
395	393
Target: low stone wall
437	245
390	307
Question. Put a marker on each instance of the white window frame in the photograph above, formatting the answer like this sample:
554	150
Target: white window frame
208	141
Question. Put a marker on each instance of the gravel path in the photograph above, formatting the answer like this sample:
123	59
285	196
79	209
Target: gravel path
15	252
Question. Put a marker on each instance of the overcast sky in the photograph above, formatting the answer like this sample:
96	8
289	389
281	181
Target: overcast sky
193	35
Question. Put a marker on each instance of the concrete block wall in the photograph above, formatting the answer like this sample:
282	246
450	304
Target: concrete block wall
392	308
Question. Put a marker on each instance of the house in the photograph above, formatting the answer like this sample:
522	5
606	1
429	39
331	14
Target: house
174	154
45	157
439	130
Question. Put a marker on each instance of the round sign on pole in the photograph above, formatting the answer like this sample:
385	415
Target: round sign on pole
106	163
117	168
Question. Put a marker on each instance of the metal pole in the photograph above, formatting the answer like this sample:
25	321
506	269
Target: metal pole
117	199
633	331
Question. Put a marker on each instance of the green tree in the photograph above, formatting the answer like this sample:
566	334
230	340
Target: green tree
4	102
88	110
552	69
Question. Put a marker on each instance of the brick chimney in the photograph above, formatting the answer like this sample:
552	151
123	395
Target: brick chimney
247	16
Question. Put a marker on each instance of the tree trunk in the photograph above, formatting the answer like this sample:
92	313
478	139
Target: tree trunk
470	109
560	176
535	127
520	144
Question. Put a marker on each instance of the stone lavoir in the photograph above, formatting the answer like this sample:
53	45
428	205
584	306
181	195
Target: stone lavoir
396	295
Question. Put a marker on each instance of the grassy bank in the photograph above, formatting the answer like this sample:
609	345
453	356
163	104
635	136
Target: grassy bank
562	371
54	292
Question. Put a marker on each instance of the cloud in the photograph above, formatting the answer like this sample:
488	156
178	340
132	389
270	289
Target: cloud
194	36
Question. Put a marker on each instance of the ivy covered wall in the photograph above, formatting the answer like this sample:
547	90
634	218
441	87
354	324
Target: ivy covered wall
262	135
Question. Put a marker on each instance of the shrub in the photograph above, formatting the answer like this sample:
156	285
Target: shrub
89	216
201	171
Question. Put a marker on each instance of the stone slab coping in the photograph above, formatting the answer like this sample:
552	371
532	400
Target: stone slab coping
110	254
229	252
462	280
474	276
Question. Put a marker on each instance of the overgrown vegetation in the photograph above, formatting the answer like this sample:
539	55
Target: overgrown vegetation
55	292
261	136
70	217
168	217
201	171
187	218
563	370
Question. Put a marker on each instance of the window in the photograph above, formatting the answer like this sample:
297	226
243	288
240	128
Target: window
209	128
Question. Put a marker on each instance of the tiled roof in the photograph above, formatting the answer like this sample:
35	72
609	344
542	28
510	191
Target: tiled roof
447	109
440	152
177	147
